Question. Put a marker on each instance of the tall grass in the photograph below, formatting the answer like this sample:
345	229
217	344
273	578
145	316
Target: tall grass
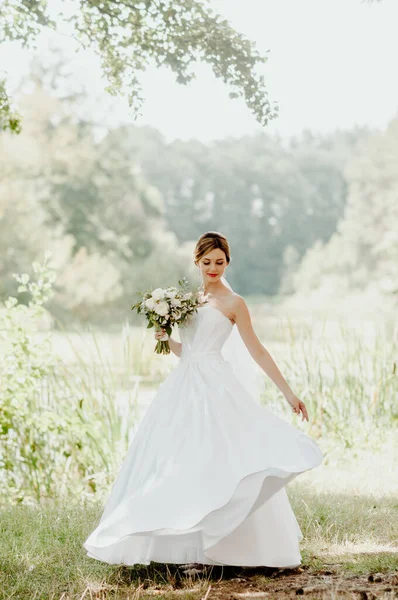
349	382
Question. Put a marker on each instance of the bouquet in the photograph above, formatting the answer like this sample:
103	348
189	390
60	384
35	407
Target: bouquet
167	307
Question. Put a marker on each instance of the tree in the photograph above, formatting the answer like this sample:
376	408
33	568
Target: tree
362	255
130	35
9	119
86	201
263	196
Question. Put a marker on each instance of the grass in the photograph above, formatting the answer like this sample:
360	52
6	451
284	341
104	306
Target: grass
349	529
42	556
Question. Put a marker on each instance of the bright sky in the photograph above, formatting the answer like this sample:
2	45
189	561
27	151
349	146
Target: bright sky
332	64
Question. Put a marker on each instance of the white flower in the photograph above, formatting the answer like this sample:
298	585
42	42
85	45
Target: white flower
171	292
188	296
175	302
158	294
150	303
162	309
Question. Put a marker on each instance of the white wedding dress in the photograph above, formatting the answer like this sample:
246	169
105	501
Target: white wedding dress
204	477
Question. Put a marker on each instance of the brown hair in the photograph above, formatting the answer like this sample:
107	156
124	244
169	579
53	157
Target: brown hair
210	241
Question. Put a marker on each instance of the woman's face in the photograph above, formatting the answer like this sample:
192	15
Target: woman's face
212	265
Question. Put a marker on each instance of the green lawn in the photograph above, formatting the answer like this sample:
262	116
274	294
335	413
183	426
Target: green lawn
347	510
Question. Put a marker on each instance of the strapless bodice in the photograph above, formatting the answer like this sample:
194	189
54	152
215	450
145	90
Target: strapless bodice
205	332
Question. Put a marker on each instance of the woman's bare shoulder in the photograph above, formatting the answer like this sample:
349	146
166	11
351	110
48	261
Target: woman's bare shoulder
237	303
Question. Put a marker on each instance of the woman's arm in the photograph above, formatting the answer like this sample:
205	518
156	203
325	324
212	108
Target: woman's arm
262	357
174	345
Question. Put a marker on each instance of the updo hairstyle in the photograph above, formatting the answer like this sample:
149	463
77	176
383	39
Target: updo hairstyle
210	241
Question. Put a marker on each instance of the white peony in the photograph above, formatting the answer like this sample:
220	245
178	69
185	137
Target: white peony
158	294
175	302
162	309
150	303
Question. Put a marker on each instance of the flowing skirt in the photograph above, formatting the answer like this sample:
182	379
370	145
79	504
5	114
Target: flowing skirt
204	478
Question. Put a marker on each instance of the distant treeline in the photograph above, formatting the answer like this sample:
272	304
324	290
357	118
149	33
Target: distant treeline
122	213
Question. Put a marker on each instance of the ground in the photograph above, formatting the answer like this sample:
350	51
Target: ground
230	583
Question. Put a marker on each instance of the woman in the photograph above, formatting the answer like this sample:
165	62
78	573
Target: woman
204	478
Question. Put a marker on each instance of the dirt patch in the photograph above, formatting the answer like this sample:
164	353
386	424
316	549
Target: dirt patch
228	583
311	584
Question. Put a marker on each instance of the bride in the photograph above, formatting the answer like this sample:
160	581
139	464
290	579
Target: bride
203	481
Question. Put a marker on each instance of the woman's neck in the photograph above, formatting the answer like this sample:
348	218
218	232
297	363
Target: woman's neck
213	288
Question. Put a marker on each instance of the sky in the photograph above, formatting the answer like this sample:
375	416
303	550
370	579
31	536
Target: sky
331	65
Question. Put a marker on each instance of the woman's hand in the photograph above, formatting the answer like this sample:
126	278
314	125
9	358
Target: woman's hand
161	335
298	406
